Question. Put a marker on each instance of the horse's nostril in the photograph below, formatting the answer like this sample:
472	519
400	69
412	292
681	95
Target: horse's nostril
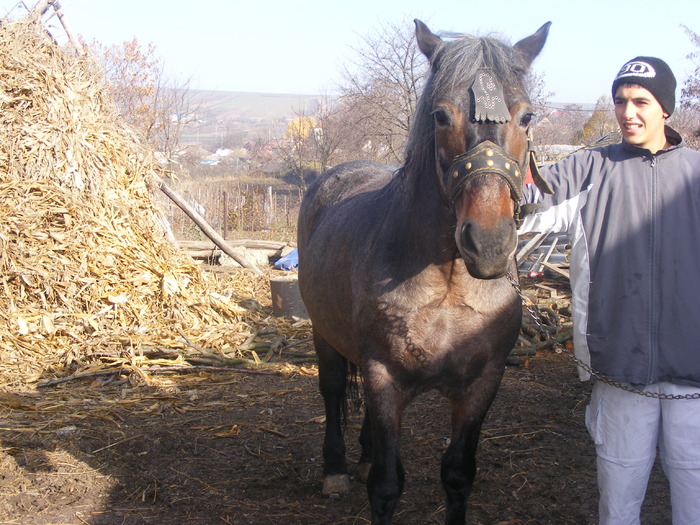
487	243
467	239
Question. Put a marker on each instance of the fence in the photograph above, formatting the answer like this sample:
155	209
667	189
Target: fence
236	209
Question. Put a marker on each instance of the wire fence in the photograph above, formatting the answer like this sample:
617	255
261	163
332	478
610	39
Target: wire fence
235	209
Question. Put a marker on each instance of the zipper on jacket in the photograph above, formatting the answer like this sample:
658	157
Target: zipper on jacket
653	273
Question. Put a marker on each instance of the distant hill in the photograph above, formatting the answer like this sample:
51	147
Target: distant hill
225	105
232	116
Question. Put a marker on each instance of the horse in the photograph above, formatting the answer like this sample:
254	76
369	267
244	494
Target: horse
405	272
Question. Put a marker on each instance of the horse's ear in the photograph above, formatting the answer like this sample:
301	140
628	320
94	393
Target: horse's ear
531	46
427	41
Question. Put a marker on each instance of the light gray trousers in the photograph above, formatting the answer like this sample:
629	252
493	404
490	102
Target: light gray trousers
627	428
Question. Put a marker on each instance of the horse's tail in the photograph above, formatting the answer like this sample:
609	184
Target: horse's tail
353	396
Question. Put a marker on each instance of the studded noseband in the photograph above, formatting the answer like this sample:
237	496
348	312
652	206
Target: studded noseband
485	158
489	158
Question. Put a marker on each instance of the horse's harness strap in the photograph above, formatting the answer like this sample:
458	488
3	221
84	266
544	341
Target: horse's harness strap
489	158
485	158
537	178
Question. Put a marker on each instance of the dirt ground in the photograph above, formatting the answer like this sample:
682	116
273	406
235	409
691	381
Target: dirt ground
245	448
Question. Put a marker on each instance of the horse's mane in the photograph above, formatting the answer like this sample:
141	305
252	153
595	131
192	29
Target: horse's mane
458	58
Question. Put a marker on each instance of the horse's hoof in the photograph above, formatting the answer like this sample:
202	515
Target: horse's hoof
363	469
336	484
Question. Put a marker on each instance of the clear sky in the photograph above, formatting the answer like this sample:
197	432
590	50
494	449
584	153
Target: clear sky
298	46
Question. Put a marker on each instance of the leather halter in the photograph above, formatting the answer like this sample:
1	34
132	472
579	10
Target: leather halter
489	158
485	158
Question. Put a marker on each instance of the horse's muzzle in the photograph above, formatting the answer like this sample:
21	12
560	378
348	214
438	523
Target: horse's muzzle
487	252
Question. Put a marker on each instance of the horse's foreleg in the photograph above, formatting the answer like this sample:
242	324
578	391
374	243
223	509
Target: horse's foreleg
458	472
459	462
332	373
366	444
385	481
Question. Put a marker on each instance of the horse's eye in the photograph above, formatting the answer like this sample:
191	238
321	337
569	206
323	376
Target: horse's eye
442	117
527	119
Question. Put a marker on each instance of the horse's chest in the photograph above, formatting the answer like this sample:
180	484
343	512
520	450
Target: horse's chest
438	339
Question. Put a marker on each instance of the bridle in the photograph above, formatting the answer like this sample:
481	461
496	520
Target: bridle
488	157
485	158
491	159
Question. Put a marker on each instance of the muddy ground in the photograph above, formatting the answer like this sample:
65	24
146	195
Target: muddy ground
241	448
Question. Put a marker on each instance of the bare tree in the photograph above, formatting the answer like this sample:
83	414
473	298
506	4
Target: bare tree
174	109
536	88
380	89
601	123
295	150
690	94
560	125
687	118
329	133
156	106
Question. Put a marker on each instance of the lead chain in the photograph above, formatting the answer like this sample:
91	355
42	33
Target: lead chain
537	318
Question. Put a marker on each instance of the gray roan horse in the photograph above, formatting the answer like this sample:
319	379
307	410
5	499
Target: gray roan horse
404	272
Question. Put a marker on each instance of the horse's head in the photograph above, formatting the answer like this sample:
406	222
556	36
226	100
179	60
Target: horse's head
481	116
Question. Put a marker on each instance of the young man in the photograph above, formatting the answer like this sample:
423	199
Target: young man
632	211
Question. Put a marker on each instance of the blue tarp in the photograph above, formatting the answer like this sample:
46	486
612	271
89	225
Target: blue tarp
289	261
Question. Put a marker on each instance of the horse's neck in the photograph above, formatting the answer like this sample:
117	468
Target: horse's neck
427	222
424	233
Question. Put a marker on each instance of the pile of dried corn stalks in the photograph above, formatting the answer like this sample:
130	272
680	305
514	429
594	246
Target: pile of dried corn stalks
87	278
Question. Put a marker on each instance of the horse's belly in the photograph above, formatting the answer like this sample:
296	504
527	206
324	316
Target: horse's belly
326	290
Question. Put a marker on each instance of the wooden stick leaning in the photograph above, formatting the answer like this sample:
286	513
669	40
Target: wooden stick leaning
217	239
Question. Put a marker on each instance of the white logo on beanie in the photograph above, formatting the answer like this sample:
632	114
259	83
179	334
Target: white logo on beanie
636	68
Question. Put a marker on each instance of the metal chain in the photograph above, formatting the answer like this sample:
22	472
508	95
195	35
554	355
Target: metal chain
537	318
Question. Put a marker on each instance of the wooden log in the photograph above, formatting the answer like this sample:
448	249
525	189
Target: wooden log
555	268
523	351
71	37
41	7
204	254
531	245
210	232
250	244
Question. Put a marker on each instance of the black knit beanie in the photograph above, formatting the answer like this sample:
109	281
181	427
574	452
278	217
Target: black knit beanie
653	74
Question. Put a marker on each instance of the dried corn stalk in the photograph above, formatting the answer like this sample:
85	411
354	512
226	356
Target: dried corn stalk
85	269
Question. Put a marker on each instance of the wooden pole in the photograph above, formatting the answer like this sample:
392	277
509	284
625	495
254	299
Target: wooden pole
69	33
40	9
224	222
206	228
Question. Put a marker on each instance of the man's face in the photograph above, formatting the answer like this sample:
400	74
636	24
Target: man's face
640	117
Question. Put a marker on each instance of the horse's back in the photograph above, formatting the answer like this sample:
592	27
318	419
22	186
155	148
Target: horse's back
342	182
